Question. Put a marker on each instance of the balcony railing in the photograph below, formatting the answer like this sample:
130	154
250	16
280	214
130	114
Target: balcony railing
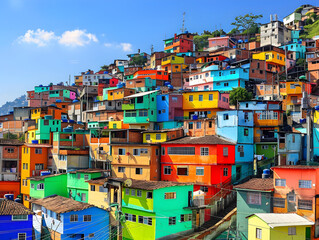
265	139
118	140
128	106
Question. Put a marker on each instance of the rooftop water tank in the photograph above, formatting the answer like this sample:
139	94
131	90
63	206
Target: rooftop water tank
266	173
45	173
35	141
9	196
71	121
74	101
58	100
18	200
47	117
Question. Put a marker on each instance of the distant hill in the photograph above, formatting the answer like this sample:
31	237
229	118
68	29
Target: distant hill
18	102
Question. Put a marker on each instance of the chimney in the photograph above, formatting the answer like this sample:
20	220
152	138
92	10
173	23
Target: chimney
270	17
276	17
175	36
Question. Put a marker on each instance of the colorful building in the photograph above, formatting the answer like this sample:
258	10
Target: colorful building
283	226
65	218
157	209
179	43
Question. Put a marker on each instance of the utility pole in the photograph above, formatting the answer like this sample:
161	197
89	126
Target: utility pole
183	29
305	105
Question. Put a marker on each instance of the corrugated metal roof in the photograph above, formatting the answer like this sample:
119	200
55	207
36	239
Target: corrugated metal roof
141	94
283	219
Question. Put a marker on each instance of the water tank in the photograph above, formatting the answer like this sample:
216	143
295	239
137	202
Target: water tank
45	173
9	196
158	88
195	117
79	122
47	117
74	101
18	200
58	100
317	108
52	105
166	83
11	112
71	121
68	129
65	120
35	141
266	173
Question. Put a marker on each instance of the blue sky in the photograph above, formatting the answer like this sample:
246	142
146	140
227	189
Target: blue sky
43	41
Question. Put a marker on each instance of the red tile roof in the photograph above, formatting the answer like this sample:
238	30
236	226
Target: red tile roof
8	207
210	140
260	184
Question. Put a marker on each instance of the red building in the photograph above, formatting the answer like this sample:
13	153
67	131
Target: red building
179	43
205	161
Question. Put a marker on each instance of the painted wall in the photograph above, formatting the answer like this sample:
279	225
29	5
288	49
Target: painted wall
10	229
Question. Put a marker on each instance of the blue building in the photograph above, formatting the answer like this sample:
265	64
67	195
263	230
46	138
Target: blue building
15	220
66	218
238	126
290	148
226	80
299	50
170	112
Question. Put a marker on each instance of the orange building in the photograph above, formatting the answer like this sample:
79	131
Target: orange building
34	160
296	191
199	127
153	74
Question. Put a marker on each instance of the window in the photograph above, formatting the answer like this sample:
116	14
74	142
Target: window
167	170
279	202
225	151
190	125
19	217
92	188
130	217
198	125
40	186
38	151
181	150
86	177
204	188
170	195
254	198
246	133
136	152
190	98
91	235
210	124
280	182
204	151
22	236
158	136
139	193
127	191
142	113
226	84
32	185
172	221
200	98
305	204
163	150
149	195
182	171
148	137
264	147
87	218
79	176
186	217
199	171
225	116
225	172
83	197
258	233
304	184
133	192
121	169
121	151
74	218
10	150
138	171
291	230
145	220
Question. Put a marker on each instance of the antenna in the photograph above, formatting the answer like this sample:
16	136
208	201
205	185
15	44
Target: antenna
183	29
152	49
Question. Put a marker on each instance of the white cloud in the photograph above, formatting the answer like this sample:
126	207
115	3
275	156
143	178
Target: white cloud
39	37
77	38
126	47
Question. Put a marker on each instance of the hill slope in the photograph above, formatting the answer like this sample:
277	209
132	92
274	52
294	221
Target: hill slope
18	102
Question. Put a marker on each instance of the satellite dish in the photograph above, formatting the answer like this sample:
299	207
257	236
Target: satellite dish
128	182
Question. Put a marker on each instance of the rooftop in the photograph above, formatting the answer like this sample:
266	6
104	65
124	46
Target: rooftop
38	145
162	131
210	140
261	184
11	142
283	219
39	178
60	204
151	185
141	94
296	167
89	170
8	207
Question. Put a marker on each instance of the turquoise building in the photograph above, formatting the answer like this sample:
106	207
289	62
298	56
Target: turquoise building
254	196
141	108
45	127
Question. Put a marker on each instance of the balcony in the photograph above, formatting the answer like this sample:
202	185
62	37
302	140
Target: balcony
129	106
294	108
118	140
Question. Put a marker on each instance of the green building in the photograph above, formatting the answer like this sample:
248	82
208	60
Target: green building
141	108
45	127
77	186
44	186
269	151
156	209
253	196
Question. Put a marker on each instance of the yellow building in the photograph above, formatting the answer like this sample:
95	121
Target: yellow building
278	226
204	104
103	193
271	56
173	64
158	136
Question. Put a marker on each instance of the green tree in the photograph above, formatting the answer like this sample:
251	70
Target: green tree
239	94
104	68
10	136
138	61
298	10
245	22
201	41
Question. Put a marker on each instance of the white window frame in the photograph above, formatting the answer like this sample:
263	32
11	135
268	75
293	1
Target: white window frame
200	171
204	151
